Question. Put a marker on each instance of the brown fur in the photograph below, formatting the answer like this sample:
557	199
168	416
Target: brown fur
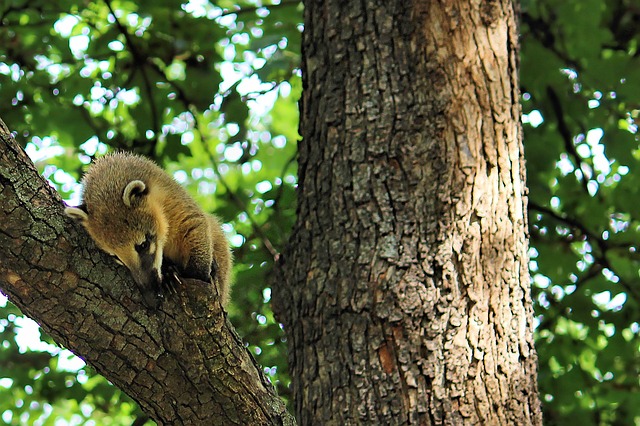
127	198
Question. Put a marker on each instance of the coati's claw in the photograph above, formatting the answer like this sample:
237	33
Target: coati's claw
170	280
171	285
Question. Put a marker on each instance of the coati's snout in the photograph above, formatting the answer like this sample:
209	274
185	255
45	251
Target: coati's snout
145	272
143	257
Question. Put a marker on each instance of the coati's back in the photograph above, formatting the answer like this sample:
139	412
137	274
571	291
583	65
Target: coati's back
138	213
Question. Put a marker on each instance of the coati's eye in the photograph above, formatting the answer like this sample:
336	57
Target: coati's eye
144	246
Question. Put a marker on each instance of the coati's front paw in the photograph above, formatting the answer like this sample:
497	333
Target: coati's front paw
170	280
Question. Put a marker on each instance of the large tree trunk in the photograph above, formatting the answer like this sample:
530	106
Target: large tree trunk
405	292
182	362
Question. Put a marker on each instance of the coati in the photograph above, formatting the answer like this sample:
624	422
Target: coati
142	217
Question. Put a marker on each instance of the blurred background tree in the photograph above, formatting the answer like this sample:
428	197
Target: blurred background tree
210	90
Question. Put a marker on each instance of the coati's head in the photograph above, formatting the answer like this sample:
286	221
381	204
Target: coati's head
125	221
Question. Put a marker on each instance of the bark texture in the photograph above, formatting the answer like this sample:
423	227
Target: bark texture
183	362
405	288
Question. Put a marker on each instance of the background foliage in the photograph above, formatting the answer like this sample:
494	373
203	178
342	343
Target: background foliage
581	87
210	90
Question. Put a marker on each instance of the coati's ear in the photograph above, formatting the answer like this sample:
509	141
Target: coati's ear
133	192
77	213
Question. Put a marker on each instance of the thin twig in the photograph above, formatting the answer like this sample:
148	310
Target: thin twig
141	61
234	197
565	133
600	257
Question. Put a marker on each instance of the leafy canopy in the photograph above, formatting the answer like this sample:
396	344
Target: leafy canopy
580	89
210	90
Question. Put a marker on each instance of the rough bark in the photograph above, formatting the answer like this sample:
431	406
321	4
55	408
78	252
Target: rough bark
183	362
405	288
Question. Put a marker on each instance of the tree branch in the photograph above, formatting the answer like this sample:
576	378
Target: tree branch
182	362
